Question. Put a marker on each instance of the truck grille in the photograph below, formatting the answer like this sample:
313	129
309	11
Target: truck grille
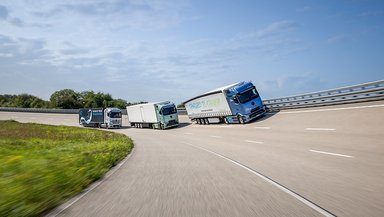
172	123
255	110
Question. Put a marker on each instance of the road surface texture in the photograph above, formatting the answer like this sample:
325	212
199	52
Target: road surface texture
326	161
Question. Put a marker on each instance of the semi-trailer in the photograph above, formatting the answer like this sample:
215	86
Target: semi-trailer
100	117
235	103
158	115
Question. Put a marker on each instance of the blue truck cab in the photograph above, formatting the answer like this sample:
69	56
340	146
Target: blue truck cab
244	102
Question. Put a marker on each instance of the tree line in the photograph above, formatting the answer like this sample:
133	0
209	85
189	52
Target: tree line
65	99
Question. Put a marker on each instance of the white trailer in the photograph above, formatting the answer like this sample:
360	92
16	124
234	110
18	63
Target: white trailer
160	115
208	107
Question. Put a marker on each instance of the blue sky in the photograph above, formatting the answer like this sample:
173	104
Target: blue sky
152	50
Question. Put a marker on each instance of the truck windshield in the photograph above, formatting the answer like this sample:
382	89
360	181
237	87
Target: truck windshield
115	115
248	96
169	110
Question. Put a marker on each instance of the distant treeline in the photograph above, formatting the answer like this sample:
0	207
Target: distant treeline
64	99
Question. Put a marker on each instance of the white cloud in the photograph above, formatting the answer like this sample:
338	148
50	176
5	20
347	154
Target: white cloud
118	46
90	53
277	27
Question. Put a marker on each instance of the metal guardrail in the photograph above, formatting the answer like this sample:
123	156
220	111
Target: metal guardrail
40	110
371	91
62	111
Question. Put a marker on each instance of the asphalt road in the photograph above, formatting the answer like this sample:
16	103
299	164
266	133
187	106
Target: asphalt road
307	162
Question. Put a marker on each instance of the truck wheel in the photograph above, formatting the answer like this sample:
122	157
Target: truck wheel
226	121
206	121
241	120
162	126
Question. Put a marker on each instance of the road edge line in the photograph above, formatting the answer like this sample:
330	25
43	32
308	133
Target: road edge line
302	199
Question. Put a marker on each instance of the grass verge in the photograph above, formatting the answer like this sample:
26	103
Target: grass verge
43	165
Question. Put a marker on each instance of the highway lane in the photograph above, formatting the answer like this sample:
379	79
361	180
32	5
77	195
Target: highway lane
179	172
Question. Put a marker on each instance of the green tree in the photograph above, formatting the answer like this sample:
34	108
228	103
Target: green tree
119	103
39	103
103	100
88	99
135	103
181	106
66	99
6	100
22	101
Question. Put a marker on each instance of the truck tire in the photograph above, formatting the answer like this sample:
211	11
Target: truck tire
241	120
206	121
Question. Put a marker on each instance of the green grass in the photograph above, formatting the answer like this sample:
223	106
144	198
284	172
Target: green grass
41	166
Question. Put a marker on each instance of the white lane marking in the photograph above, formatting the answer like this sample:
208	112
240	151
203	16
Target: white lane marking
216	136
188	133
72	201
330	153
320	129
251	141
334	109
263	128
270	181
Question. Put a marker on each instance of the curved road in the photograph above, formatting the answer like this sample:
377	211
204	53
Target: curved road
326	161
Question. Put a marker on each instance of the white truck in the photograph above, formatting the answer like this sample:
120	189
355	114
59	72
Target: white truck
100	117
235	103
160	115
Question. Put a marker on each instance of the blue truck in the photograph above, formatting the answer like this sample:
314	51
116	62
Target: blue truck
235	103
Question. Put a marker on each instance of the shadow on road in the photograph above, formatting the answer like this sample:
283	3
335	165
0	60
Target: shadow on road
265	117
184	124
